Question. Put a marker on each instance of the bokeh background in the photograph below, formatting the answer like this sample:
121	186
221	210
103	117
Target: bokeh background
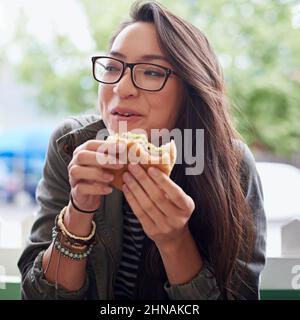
45	76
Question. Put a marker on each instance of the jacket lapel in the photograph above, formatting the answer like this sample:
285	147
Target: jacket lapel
109	217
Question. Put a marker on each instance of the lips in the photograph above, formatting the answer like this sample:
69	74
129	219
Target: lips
125	112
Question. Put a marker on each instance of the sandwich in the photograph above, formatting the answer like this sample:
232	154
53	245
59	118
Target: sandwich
137	149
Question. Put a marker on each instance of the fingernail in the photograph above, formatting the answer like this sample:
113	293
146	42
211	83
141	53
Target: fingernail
125	189
127	177
153	172
107	189
108	176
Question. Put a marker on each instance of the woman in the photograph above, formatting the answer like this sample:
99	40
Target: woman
203	237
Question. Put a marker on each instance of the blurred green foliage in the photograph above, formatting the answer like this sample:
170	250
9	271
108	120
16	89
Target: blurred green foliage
256	42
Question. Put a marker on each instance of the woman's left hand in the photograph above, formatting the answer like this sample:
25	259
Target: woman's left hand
161	206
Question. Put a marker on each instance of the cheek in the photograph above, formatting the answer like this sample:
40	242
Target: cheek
104	97
165	108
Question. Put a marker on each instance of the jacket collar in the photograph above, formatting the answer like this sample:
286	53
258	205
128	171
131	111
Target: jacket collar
67	143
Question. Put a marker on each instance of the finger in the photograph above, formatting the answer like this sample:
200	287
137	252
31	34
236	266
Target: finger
172	190
98	145
152	189
91	145
118	150
91	158
107	159
113	148
143	199
77	173
146	222
95	188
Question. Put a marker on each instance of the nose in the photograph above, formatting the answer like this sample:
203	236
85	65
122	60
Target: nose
125	86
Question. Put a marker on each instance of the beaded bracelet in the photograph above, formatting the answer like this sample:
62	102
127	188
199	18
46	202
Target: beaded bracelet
70	252
76	242
66	252
60	223
72	244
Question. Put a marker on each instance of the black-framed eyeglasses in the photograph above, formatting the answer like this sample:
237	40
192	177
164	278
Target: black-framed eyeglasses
145	76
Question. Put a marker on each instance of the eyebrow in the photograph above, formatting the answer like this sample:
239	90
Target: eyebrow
146	57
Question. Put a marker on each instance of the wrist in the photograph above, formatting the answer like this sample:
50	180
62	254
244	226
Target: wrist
78	223
86	209
179	243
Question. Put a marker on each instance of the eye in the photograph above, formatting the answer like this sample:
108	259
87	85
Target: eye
111	68
154	73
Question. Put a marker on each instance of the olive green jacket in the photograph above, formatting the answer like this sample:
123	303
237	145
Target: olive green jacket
102	264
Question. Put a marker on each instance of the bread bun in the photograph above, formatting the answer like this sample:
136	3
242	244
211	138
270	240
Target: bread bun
140	150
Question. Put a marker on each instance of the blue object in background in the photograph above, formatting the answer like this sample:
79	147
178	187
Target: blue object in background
25	142
22	156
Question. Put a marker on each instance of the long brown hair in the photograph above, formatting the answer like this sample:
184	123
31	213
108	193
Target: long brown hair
222	223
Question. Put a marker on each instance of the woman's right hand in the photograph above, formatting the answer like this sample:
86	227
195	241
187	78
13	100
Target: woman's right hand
87	173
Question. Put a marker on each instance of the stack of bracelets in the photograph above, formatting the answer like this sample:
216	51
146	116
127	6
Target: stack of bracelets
70	245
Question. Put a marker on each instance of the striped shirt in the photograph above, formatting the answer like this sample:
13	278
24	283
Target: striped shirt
133	236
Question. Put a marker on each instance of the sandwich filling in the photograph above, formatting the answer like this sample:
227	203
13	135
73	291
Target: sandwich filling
143	141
